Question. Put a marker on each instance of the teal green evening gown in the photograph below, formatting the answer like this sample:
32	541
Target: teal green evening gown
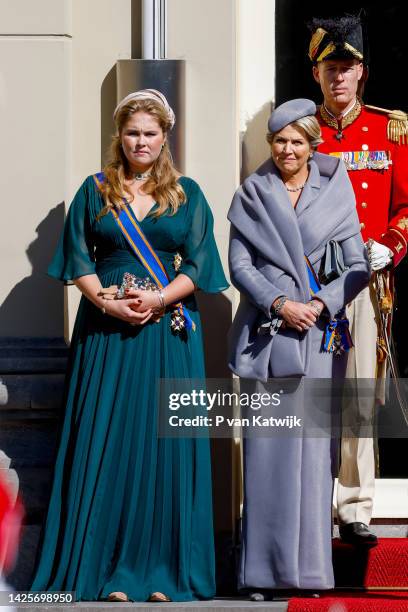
130	511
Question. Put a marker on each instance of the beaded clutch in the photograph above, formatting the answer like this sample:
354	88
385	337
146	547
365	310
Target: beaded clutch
130	281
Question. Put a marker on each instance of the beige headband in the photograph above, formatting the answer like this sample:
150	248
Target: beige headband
148	94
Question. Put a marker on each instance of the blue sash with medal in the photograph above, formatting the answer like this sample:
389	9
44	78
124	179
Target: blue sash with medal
147	256
337	335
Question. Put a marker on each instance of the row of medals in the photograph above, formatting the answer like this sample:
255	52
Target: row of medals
365	160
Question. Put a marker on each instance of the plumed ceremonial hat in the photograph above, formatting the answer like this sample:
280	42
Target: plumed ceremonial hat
336	38
291	111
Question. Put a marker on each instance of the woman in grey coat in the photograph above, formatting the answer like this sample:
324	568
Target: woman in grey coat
283	217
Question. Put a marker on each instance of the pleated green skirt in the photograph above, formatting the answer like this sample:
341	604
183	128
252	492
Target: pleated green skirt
129	511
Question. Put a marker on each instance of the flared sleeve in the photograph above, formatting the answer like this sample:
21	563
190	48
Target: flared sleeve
74	256
201	261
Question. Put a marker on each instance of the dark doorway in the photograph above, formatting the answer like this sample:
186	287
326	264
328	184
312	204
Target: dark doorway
386	87
388	40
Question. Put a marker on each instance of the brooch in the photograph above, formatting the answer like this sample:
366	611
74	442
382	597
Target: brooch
177	261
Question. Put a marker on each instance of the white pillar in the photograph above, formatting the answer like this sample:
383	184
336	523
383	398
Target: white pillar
154	29
256	79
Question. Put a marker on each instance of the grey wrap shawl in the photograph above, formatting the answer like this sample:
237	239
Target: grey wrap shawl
277	236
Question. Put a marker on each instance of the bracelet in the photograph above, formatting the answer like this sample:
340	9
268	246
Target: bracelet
316	308
161	299
162	305
279	304
102	308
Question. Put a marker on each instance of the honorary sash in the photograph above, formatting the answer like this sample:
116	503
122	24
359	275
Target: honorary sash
138	242
337	335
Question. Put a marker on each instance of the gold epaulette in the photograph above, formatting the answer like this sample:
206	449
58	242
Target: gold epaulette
397	128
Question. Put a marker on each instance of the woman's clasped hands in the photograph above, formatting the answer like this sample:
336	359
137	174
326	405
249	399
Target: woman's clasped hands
146	302
137	308
301	316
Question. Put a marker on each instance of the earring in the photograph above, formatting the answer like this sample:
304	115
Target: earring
310	155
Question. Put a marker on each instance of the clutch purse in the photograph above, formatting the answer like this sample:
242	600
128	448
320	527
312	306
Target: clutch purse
130	281
332	264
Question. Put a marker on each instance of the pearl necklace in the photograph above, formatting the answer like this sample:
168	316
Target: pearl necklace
295	188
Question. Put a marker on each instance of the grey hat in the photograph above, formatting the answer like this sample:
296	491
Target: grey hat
290	111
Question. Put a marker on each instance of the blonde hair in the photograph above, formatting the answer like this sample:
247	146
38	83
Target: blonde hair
311	127
162	184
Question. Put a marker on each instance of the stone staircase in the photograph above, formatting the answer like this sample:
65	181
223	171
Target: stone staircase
31	387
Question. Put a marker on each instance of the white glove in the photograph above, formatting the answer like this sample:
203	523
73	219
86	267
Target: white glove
379	255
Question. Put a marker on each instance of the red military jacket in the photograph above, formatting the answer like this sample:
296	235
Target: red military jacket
378	170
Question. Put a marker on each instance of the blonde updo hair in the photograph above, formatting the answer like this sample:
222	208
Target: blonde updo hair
311	127
162	185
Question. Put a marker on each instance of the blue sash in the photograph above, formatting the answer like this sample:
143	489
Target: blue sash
337	335
142	248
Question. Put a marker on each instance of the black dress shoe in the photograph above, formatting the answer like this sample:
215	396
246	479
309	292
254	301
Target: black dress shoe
357	534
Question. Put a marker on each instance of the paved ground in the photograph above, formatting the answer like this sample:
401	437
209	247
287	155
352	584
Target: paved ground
217	605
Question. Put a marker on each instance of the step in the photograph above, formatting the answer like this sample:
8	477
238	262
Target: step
215	605
393	528
382	567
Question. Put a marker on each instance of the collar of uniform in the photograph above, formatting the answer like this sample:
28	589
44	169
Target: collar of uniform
348	118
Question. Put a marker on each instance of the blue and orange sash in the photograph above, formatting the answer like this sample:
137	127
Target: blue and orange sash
135	237
337	335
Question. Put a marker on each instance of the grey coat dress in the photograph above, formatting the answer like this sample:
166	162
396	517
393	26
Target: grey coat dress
288	480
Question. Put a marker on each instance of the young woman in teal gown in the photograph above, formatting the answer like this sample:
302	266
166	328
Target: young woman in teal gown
130	515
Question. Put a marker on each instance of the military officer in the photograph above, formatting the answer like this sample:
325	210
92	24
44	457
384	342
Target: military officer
372	143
